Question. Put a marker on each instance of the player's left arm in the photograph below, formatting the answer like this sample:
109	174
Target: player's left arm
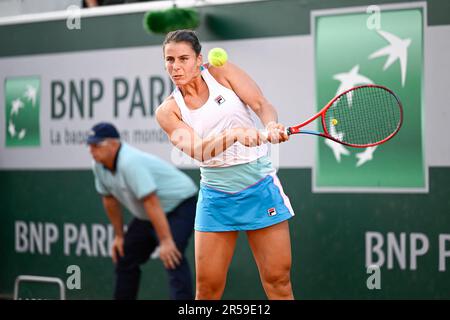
249	92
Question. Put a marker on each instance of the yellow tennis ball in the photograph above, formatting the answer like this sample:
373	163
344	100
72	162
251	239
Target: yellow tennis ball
217	57
334	122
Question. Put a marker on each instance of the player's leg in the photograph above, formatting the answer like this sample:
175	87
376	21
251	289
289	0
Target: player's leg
271	248
213	253
138	244
181	221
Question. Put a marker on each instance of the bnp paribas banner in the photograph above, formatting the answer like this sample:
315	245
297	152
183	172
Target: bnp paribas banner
52	101
372	45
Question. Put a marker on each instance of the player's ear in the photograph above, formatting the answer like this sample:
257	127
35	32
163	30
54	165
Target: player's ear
199	60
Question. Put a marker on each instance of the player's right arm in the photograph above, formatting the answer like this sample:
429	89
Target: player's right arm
187	140
114	212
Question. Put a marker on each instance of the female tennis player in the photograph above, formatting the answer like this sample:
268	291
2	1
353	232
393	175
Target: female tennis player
208	117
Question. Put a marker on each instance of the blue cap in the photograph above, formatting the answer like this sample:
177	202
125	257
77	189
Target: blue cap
102	131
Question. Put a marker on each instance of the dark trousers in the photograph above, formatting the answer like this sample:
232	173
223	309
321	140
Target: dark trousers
139	242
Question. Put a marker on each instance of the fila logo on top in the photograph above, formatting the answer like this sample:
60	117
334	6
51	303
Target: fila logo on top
219	100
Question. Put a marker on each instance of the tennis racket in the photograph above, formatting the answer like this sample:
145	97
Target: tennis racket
360	117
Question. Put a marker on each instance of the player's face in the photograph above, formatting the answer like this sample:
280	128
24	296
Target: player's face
181	62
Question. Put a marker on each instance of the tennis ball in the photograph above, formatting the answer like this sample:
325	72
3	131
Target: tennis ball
334	122
217	57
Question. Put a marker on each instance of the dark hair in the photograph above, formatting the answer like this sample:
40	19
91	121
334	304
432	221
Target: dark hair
184	35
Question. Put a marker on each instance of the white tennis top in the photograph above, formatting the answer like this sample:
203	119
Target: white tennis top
223	110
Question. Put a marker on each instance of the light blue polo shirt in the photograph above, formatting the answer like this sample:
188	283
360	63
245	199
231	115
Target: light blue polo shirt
139	174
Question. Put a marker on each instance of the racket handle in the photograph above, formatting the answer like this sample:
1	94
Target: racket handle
288	131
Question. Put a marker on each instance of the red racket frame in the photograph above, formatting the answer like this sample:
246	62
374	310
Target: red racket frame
326	134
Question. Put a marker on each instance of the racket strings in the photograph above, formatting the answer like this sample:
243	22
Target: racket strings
363	116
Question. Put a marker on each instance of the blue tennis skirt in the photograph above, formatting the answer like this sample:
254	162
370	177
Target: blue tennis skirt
261	205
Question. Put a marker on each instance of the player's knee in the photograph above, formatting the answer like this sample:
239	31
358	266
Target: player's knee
278	278
209	288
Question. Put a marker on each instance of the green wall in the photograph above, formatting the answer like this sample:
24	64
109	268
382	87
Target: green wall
327	238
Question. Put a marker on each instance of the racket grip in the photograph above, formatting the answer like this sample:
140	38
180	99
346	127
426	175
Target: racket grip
288	131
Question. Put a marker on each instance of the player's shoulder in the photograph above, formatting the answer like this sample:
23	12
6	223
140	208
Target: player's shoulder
225	73
168	107
227	68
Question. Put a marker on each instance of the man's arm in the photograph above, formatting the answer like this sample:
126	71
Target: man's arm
168	251
114	212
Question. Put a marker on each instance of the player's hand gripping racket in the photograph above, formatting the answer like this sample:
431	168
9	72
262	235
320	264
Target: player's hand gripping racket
360	117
